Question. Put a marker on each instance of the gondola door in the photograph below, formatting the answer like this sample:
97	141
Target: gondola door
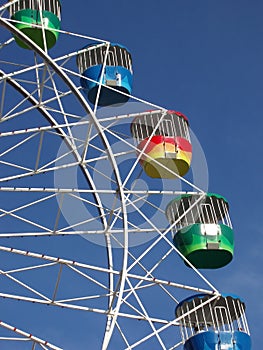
209	227
169	144
223	329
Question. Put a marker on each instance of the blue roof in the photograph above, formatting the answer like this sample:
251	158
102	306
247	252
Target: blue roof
111	44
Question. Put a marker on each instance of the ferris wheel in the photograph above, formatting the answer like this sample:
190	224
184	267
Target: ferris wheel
104	221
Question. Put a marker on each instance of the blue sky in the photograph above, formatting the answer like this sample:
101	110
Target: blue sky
203	58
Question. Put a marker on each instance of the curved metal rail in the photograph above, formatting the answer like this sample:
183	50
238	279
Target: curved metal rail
111	320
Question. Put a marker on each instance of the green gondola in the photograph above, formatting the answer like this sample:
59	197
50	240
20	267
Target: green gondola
203	230
26	14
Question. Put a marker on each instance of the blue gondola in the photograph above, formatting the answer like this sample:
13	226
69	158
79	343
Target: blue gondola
217	325
116	77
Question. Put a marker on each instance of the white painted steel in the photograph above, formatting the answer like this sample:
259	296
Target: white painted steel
126	280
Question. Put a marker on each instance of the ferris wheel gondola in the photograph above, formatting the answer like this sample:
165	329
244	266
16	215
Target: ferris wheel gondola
115	74
203	232
39	20
163	143
211	325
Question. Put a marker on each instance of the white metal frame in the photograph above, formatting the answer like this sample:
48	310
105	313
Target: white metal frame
129	284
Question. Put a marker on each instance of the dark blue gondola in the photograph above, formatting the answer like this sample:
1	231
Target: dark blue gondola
116	77
217	325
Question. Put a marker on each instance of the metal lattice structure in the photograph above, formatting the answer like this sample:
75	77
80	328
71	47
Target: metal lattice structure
70	176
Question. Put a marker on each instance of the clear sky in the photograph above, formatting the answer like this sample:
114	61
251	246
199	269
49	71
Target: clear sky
205	59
